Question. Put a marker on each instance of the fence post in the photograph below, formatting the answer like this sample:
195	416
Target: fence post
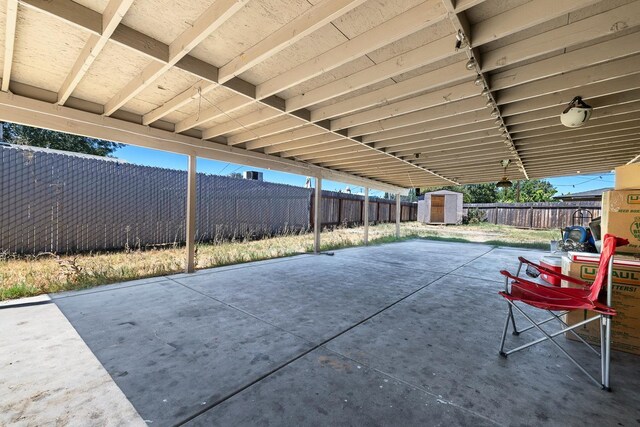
531	217
339	211
496	220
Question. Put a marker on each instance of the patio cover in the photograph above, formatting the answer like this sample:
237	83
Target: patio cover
368	92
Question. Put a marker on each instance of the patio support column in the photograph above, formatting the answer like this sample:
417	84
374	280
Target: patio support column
398	214
317	223
365	213
191	215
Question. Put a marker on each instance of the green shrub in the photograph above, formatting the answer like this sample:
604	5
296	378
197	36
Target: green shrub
474	216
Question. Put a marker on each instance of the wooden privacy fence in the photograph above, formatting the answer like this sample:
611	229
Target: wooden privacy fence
542	215
347	209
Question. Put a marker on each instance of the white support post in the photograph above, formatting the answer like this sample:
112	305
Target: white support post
398	214
317	212
191	215
365	214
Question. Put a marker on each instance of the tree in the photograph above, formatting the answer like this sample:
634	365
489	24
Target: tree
235	175
483	193
26	135
533	190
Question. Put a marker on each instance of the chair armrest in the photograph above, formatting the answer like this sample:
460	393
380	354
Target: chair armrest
555	273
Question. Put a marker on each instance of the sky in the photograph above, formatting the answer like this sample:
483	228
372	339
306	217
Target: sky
148	157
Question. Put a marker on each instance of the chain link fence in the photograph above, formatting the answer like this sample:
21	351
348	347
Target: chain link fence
64	202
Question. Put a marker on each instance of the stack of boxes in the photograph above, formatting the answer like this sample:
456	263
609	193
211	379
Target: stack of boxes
620	217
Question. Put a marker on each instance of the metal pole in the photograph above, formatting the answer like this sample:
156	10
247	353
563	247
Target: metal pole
191	215
317	224
398	215
365	210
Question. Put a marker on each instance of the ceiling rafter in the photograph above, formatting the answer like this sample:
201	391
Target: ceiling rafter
572	34
304	24
111	17
9	42
314	18
407	61
402	25
210	20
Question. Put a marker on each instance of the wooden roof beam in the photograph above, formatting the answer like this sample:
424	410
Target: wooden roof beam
569	61
208	22
9	42
432	114
304	24
312	142
402	25
602	101
113	14
442	77
575	33
620	121
418	57
421	102
424	146
478	117
241	123
471	130
599	113
299	133
522	17
286	123
571	80
563	97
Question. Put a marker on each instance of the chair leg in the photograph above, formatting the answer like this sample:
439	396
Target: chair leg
607	355
550	338
603	349
504	332
513	321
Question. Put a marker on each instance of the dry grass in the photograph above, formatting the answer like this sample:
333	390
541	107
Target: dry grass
47	273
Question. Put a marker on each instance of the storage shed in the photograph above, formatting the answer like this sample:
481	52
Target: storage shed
440	207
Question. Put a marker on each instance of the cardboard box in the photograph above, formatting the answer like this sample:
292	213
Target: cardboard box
621	217
625	335
628	177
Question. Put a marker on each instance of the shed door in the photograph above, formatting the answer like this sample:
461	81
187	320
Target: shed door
437	208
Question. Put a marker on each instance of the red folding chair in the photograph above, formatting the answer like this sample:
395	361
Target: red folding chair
560	301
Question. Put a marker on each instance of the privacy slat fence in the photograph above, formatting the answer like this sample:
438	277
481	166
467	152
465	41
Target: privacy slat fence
347	209
543	215
51	202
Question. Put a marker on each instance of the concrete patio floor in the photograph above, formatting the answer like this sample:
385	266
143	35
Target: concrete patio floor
403	333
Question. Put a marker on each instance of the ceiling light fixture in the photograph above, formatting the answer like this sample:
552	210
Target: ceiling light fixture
504	182
485	92
461	40
478	81
495	113
471	64
576	114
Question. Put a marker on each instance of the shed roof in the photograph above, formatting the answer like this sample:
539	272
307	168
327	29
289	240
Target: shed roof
444	192
360	91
